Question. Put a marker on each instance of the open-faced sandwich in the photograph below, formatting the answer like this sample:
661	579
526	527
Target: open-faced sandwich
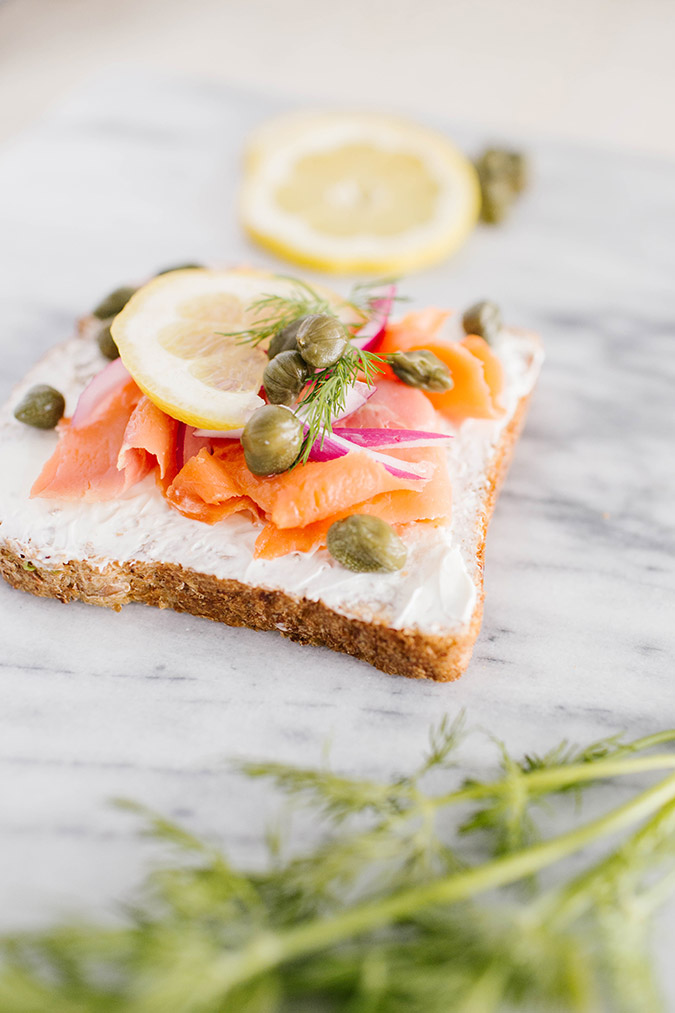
265	453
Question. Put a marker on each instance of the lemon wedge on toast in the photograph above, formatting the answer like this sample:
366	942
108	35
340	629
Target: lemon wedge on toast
351	193
177	336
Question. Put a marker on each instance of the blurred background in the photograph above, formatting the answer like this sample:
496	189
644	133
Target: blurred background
592	70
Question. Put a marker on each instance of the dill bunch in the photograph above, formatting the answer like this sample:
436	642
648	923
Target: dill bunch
414	900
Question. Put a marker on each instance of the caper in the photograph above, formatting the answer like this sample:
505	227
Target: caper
497	196
322	340
272	440
284	377
42	407
366	544
284	340
179	267
484	318
106	342
519	171
114	303
503	175
421	369
505	164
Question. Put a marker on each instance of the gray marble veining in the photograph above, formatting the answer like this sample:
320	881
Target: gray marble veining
138	172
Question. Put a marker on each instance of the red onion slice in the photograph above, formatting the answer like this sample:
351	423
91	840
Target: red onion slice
380	438
336	446
97	390
369	337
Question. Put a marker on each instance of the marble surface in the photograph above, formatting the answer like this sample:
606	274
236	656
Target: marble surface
136	172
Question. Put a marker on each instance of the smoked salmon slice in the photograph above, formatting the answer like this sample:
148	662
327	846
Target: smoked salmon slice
124	439
205	490
317	490
492	367
414	330
84	464
394	406
471	396
476	371
397	506
149	438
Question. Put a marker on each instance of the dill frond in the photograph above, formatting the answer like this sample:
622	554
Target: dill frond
328	390
394	909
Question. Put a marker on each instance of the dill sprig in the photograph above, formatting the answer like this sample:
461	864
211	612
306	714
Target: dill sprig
327	392
274	312
399	906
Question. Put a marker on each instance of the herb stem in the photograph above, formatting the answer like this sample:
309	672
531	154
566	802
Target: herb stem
650	741
271	950
569	903
557	778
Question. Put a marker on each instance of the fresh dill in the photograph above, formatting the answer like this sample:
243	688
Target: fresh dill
328	389
327	392
273	312
396	908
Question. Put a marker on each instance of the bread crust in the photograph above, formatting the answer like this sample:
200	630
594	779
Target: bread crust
442	658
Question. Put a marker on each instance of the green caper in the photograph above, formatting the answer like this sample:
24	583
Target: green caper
321	339
106	342
366	544
505	164
421	369
114	303
284	340
179	267
42	407
496	201
272	440
503	175
484	318
284	377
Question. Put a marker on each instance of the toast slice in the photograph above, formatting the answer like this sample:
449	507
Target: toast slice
421	622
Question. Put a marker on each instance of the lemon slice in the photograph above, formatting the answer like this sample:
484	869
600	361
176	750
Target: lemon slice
175	338
357	192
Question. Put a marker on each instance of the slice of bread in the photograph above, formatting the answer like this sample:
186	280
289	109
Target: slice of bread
421	622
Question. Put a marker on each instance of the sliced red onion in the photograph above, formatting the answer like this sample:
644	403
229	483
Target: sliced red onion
379	438
368	338
334	446
329	451
97	390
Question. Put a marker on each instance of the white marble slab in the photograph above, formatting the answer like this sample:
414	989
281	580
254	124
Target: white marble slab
138	172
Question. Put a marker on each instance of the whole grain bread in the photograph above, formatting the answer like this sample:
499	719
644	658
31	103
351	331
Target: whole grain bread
409	652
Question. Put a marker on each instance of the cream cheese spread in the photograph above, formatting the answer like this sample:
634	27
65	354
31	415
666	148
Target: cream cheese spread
435	592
